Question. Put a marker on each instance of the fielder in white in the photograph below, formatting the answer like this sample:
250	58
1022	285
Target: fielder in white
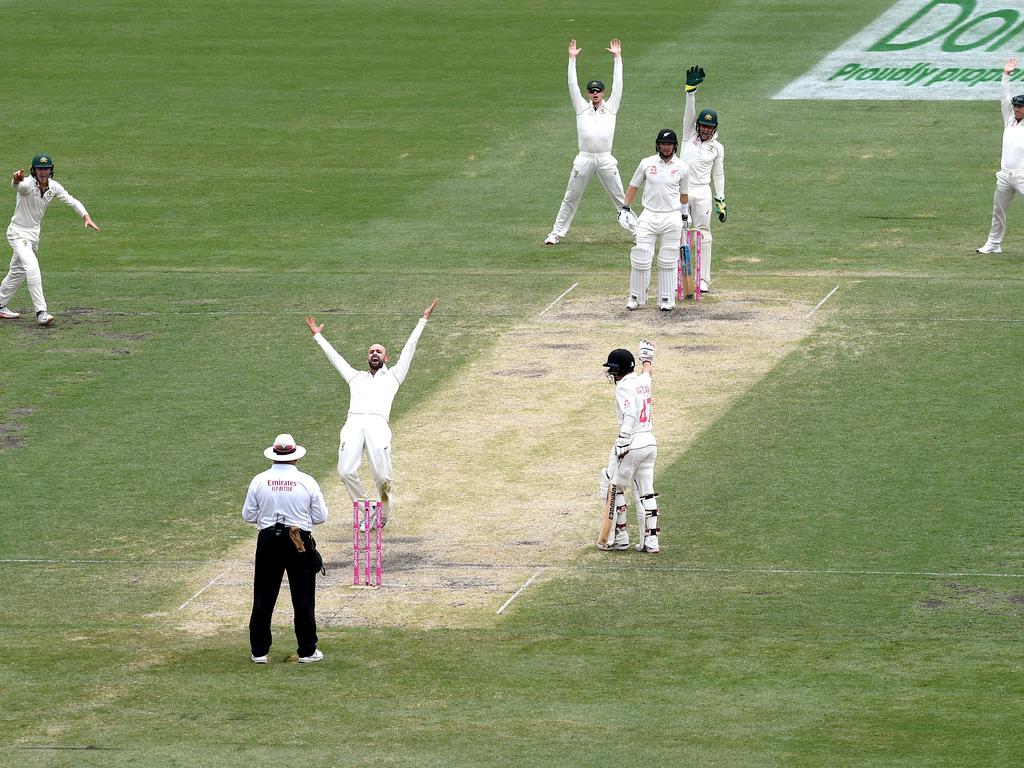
1010	178
595	131
704	155
631	462
665	178
371	394
34	196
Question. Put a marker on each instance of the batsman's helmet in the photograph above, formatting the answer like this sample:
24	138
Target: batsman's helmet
666	136
708	117
620	362
1017	101
42	160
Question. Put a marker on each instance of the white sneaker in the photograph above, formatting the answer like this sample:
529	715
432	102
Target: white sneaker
8	314
704	287
990	247
650	544
666	307
552	239
632	303
259	659
317	656
43	317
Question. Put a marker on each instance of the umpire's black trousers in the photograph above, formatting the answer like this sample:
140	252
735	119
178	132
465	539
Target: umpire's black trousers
275	554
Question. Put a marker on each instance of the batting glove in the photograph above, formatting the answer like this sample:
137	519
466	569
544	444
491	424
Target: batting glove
694	77
646	351
720	208
622	445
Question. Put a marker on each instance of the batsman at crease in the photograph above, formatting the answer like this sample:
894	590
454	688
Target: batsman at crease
631	461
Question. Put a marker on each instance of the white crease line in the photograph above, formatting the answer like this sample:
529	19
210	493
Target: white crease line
560	297
818	306
518	591
197	594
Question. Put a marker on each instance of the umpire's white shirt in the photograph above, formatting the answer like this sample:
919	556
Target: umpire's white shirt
373	394
663	182
283	494
31	207
595	128
1013	132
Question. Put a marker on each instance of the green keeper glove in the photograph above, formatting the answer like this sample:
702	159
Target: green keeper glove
694	77
720	209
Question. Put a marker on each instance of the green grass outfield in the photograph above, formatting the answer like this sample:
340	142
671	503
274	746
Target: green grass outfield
845	584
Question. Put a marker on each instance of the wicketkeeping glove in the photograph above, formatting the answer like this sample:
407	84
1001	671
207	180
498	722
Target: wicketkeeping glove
720	208
694	77
646	351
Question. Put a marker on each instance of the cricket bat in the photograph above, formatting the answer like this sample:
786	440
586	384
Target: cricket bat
607	516
686	286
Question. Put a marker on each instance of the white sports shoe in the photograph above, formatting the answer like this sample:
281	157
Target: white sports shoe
317	656
552	239
990	247
704	287
650	544
666	307
43	317
259	659
632	303
8	314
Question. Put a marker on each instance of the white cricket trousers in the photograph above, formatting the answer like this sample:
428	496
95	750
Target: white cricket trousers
636	469
584	166
1008	184
24	266
370	435
701	208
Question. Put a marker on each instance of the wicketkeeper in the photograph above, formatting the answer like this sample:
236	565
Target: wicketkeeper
371	394
631	462
704	155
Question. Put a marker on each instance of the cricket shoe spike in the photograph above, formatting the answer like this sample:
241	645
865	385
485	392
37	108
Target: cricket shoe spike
990	248
7	314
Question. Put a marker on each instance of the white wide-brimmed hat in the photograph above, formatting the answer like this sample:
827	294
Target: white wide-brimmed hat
284	449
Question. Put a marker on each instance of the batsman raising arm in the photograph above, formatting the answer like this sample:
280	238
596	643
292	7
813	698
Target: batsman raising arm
371	394
631	462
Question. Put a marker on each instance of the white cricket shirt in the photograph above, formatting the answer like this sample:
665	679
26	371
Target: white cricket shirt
663	182
283	494
373	394
634	409
705	159
1013	133
31	206
595	128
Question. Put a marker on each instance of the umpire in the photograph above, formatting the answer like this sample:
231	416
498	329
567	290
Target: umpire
285	504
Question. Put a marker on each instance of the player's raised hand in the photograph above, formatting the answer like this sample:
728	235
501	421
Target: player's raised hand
1010	65
19	176
615	47
311	322
573	50
428	310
